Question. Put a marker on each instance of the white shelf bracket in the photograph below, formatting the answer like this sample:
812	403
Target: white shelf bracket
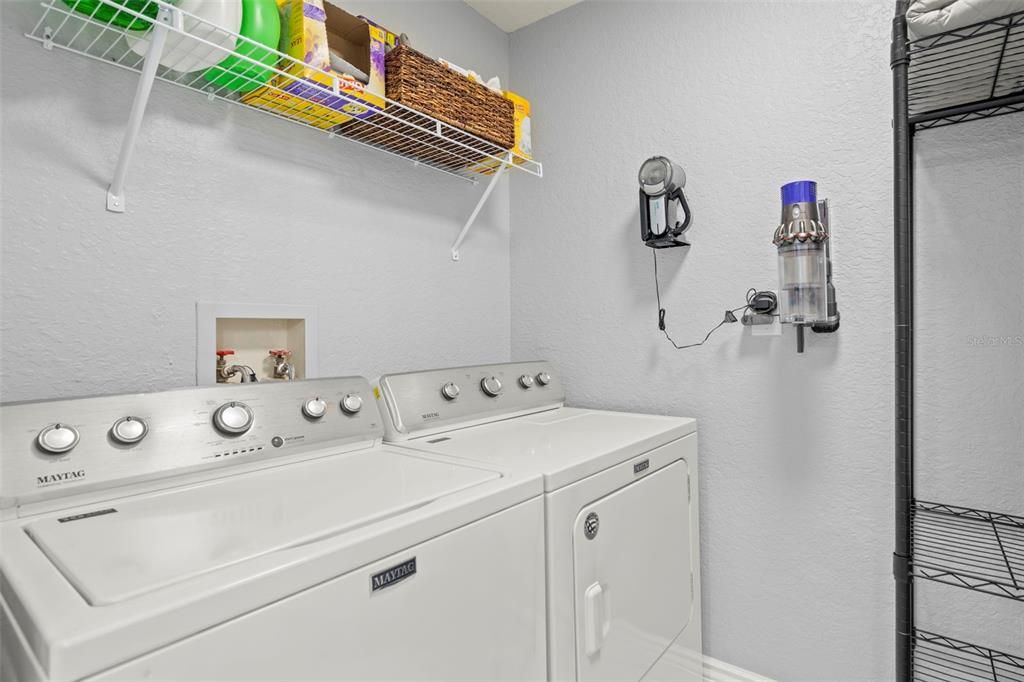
158	36
480	204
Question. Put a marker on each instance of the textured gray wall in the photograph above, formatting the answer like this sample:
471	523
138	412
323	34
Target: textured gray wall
796	450
226	204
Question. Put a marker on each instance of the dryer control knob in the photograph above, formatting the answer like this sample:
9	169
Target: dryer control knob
491	386
315	408
450	391
233	419
129	430
526	381
543	378
351	403
56	439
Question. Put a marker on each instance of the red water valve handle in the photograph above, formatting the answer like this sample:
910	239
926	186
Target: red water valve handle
224	351
280	353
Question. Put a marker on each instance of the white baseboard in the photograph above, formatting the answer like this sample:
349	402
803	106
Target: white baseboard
720	671
689	666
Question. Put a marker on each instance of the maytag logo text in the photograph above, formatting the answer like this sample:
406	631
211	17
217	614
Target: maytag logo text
395	574
62	477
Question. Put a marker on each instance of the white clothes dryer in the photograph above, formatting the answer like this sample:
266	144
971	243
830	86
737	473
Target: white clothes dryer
621	500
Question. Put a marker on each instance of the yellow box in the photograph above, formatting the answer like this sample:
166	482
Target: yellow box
292	106
523	147
524	141
310	30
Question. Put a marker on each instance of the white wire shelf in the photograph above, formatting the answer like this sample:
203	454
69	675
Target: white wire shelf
285	94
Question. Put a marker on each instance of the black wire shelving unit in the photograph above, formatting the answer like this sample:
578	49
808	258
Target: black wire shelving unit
967	74
942	659
972	548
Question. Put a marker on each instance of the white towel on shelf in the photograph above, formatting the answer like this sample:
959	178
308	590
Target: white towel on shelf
928	17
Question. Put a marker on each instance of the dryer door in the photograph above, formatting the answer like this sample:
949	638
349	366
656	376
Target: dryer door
633	581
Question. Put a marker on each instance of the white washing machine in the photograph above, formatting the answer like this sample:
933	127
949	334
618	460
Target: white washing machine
622	535
258	532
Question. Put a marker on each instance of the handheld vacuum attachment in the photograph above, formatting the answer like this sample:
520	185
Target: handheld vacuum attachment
664	213
805	271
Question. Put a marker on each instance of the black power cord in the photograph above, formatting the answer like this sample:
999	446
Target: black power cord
761	302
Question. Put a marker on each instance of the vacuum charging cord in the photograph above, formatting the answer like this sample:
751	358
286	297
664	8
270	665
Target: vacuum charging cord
760	302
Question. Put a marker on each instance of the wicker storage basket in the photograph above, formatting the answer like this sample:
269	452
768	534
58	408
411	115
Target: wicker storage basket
424	84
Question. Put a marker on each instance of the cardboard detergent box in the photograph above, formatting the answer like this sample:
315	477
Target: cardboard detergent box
523	147
314	34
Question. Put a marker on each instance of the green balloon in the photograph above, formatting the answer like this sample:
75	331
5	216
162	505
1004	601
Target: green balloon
261	23
108	13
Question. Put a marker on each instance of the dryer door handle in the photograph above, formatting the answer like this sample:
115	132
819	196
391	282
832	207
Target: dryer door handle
597	618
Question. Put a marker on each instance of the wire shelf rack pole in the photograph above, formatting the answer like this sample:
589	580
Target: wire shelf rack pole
115	193
479	206
903	256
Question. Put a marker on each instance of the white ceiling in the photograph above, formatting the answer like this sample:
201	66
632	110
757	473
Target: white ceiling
512	15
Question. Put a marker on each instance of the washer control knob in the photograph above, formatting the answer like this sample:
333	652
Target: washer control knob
526	381
450	391
315	408
351	403
543	378
56	439
129	430
233	419
491	386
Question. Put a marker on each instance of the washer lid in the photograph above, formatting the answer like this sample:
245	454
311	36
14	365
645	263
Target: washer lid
565	444
128	548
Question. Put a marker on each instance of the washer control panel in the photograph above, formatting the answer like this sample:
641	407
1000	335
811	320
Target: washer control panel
59	447
422	403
